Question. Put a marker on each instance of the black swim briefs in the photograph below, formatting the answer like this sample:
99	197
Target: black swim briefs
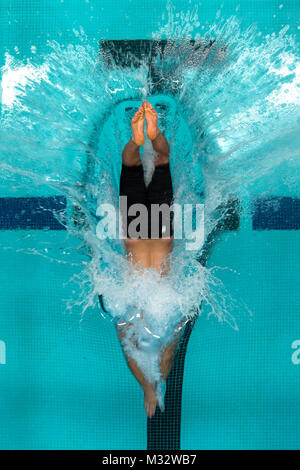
159	191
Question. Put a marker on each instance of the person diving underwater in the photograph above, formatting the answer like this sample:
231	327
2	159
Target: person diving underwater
153	247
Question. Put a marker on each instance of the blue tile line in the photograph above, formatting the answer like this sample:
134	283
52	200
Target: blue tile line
37	213
33	213
276	213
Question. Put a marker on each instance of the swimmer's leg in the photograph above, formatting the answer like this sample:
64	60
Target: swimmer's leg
159	142
131	151
150	399
132	184
168	355
166	363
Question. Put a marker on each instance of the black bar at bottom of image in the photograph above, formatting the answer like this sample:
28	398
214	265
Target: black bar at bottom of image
138	458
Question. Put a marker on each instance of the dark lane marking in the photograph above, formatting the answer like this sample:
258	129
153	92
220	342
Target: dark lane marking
276	213
33	213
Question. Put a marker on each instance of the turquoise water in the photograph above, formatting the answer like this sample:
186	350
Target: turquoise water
239	386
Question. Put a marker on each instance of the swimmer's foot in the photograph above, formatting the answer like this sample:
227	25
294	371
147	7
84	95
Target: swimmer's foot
150	401
160	388
137	125
151	119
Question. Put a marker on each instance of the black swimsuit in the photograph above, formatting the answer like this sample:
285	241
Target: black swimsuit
159	191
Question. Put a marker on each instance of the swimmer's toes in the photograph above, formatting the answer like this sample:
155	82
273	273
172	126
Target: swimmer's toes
150	402
151	119
137	125
153	407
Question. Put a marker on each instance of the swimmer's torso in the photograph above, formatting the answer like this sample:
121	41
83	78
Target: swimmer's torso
149	253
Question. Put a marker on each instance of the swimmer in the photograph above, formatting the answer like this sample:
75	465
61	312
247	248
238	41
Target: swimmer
148	252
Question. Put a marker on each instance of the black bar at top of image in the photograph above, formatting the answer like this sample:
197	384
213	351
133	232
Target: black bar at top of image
131	52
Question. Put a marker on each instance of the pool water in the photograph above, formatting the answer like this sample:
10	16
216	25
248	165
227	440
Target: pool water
63	377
